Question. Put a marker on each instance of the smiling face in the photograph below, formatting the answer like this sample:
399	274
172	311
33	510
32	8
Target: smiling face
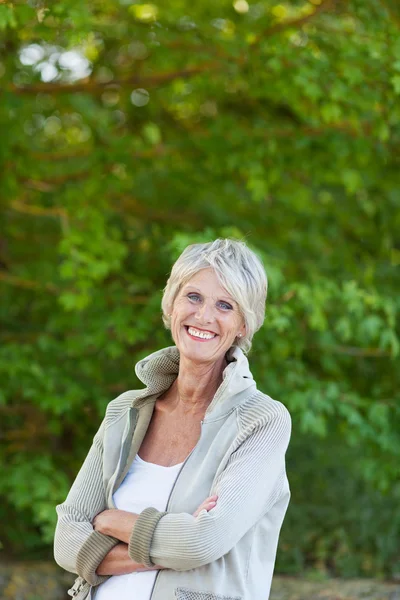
205	320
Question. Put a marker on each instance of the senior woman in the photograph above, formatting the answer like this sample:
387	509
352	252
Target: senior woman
184	490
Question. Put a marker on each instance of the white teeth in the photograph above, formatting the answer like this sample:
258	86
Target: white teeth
201	334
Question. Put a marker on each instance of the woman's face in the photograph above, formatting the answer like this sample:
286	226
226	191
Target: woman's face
205	320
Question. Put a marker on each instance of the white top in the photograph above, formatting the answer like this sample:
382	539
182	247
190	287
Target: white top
145	484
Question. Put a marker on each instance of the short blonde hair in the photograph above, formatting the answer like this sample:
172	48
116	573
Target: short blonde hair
240	272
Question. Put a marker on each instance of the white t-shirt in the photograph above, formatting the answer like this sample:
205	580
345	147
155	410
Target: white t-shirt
145	484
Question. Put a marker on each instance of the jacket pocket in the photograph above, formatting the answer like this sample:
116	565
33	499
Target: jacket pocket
187	594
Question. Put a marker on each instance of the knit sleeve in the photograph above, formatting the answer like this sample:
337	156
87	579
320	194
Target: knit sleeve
248	487
77	547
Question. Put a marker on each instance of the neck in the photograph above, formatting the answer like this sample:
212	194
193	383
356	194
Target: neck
195	386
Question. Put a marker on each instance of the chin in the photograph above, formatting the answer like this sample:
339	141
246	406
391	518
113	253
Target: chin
197	355
201	353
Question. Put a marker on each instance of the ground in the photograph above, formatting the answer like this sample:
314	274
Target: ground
45	581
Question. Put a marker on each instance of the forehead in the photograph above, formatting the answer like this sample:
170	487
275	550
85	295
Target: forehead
206	280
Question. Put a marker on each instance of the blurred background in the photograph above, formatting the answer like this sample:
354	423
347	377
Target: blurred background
129	130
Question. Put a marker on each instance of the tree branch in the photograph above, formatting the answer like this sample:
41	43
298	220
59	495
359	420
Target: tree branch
294	23
47	185
95	87
128	205
157	150
364	129
62	155
355	351
32	209
27	284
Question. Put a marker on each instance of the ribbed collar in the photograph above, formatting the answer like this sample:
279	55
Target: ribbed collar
159	370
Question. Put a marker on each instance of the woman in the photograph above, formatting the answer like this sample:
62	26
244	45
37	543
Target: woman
200	433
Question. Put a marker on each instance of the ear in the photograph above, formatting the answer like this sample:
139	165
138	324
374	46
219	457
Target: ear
242	331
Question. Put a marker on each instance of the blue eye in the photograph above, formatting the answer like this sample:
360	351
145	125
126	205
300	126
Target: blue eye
193	297
224	305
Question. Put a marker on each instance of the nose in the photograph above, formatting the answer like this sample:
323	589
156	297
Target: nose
205	313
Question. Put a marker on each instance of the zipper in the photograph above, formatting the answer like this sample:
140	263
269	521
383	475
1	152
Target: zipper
124	452
171	492
120	468
80	590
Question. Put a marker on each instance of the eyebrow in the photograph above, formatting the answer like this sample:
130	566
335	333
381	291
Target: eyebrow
227	298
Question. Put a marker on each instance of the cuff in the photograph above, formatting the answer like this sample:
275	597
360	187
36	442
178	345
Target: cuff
95	548
142	535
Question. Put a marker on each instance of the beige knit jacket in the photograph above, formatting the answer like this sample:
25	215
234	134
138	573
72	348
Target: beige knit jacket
225	554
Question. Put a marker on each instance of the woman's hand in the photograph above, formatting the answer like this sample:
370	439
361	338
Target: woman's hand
208	504
118	562
116	523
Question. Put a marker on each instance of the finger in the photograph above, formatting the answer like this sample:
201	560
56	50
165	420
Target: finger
205	506
213	498
210	499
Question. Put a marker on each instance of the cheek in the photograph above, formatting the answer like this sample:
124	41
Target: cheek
178	316
181	307
174	323
232	324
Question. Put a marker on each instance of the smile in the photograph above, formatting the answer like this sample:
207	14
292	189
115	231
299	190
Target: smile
200	334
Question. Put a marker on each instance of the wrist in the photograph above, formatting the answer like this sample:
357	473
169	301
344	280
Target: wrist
121	525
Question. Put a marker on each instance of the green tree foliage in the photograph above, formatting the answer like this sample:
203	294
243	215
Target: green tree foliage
129	130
